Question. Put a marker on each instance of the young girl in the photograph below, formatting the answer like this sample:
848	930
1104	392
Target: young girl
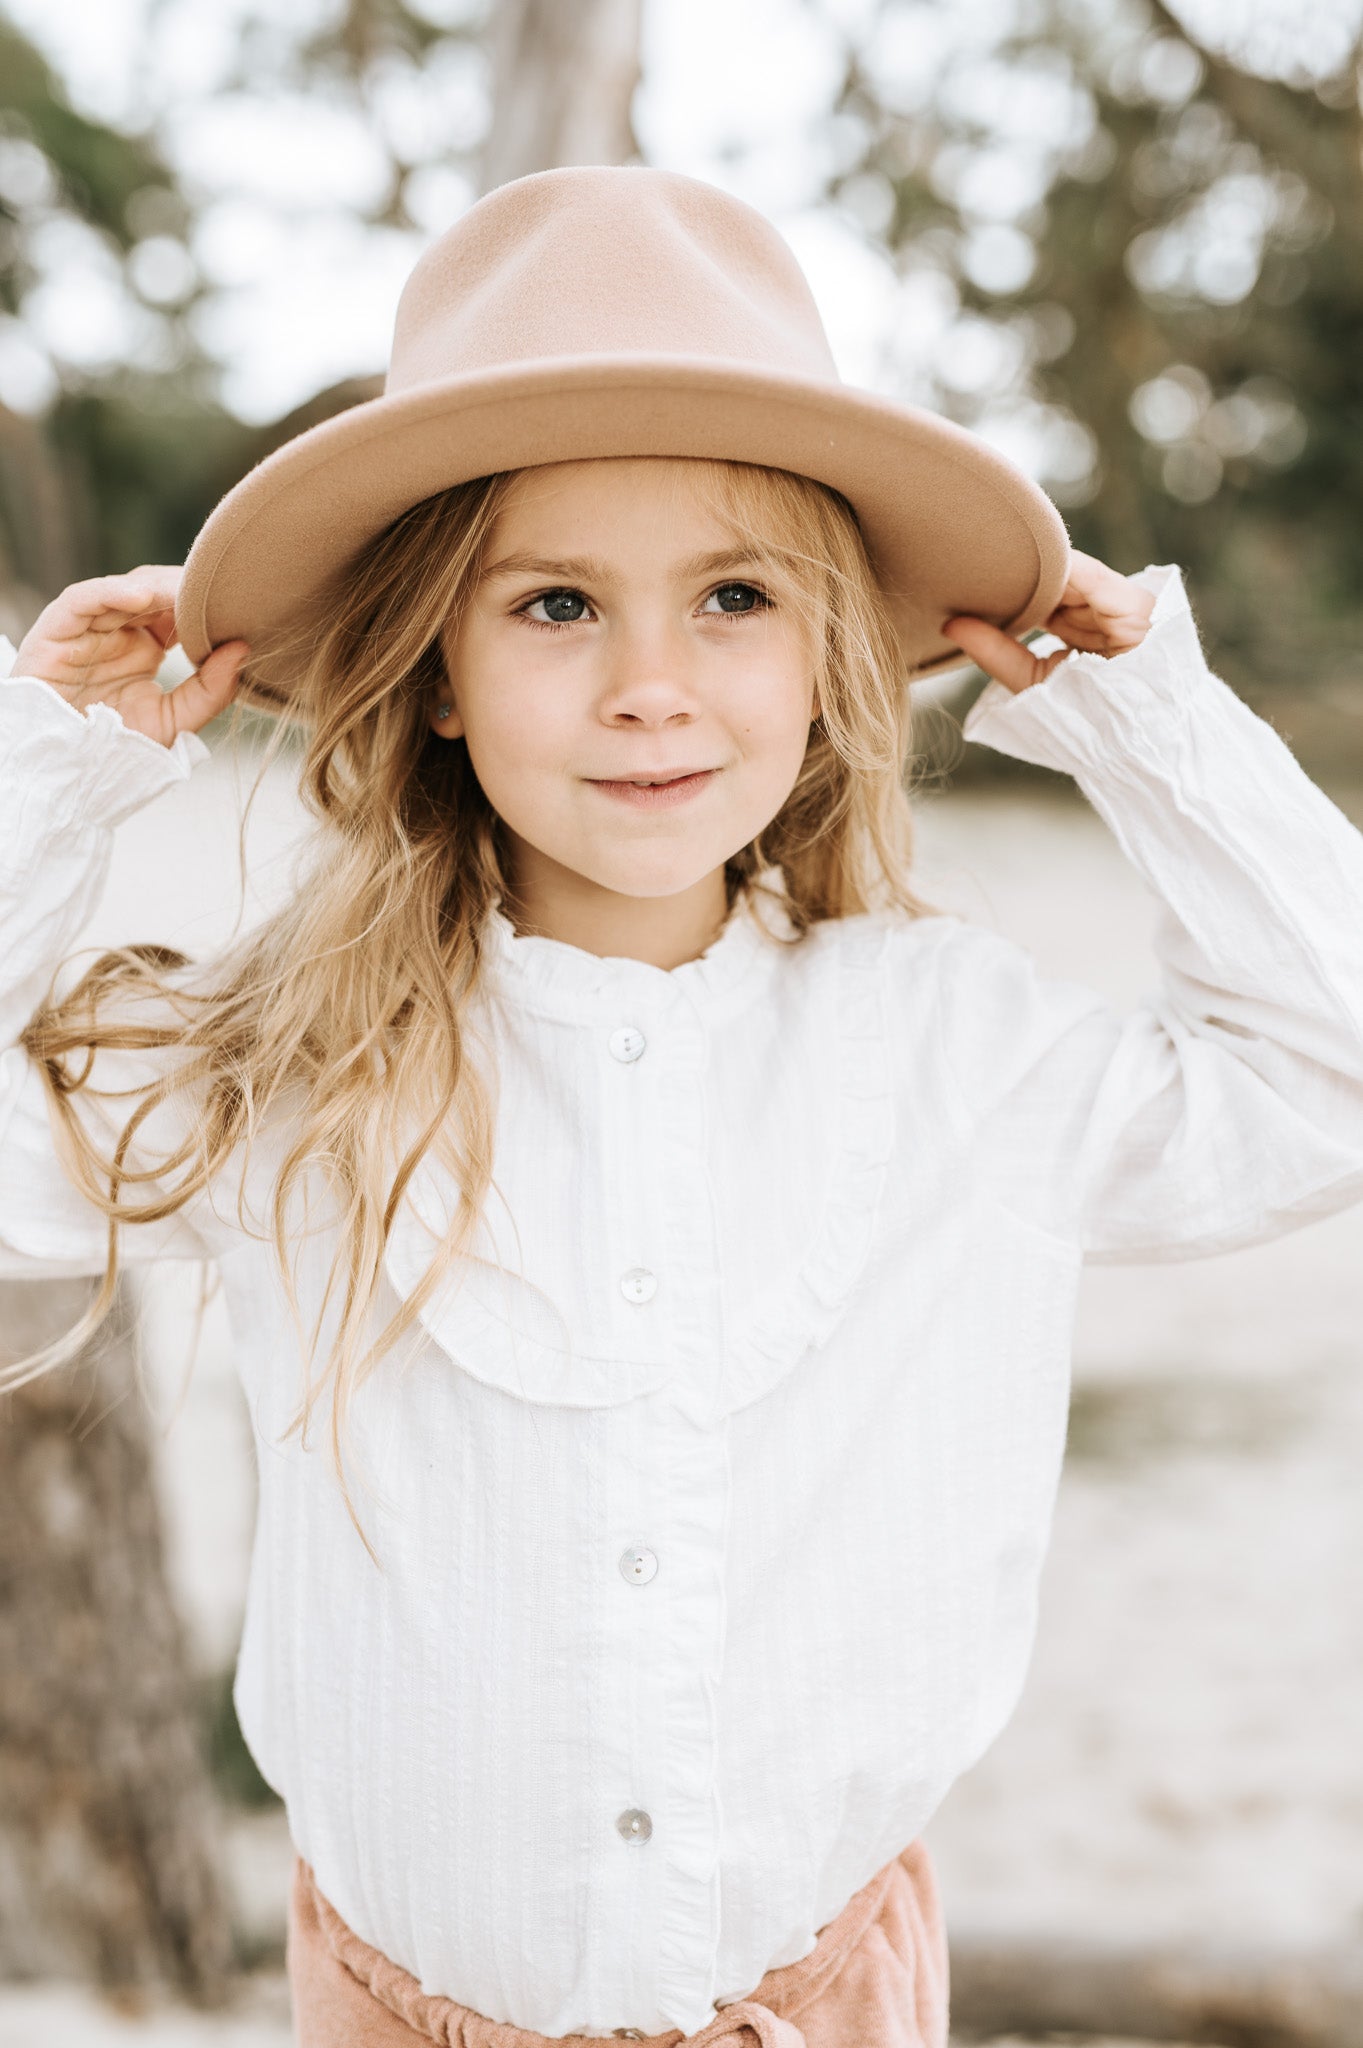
674	1226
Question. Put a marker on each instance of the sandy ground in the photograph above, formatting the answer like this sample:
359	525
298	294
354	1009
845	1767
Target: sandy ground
1185	1765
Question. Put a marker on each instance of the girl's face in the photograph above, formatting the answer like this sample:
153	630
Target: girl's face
635	690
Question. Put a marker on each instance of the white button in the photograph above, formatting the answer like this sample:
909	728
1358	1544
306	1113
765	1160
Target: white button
634	1824
638	1284
638	1565
627	1043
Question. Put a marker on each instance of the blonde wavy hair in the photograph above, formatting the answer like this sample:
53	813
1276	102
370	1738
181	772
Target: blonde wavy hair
341	1024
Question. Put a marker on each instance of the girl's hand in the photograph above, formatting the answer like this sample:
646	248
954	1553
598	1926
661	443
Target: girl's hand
1099	611
102	642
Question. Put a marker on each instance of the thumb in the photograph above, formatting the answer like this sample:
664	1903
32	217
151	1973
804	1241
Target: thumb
211	688
1000	655
996	652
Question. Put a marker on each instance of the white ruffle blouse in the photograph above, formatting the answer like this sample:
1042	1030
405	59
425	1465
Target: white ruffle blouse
711	1511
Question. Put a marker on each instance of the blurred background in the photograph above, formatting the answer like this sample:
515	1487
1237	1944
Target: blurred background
1124	241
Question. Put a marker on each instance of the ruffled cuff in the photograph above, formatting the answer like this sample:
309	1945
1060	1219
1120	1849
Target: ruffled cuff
75	767
1091	707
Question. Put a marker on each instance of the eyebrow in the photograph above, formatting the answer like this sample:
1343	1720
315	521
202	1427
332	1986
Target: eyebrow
585	569
579	569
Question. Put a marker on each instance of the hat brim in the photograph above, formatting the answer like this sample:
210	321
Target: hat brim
950	525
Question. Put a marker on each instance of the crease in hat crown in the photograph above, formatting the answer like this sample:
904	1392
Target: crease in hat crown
600	312
519	278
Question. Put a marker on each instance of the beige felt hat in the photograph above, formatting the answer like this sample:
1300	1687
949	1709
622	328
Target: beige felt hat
623	312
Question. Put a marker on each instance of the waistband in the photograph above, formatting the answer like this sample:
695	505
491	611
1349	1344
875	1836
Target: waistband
766	2016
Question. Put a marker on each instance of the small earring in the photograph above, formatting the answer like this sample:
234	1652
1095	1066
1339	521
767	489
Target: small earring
443	710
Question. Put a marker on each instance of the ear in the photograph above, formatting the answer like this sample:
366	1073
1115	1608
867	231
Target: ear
444	711
445	718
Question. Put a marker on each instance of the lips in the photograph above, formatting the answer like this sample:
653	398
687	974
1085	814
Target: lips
653	781
655	792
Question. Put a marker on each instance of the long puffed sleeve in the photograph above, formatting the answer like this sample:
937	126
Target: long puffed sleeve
67	779
1229	1106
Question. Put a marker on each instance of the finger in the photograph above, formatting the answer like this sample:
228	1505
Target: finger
98	671
1087	575
161	626
149	608
128	629
996	652
104	602
1079	633
1108	595
210	689
1101	632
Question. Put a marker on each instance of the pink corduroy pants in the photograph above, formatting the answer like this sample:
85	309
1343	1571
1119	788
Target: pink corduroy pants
875	1978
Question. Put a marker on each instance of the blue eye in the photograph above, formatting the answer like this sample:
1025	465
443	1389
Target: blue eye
559	607
735	597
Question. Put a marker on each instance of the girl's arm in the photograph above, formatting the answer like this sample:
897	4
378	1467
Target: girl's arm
1230	1105
71	770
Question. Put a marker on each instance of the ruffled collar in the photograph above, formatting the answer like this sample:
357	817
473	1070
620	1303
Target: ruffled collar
560	980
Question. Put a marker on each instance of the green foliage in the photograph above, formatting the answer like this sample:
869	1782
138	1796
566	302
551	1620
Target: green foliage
125	463
99	175
373	55
231	1765
120	467
1184	313
150	456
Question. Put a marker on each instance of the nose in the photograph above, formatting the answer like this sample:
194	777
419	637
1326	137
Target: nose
648	681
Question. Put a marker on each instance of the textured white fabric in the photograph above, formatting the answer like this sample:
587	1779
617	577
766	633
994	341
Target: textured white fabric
863	1170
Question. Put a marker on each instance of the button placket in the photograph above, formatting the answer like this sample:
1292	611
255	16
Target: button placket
626	1044
637	1058
631	1567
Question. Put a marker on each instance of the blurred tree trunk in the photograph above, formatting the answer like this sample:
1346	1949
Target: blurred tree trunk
38	553
563	76
109	1850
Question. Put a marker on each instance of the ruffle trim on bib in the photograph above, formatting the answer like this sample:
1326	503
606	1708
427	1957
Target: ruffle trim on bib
495	1324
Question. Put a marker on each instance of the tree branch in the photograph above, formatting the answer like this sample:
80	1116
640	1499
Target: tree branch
1286	128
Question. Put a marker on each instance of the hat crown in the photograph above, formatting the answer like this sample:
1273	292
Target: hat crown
598	261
